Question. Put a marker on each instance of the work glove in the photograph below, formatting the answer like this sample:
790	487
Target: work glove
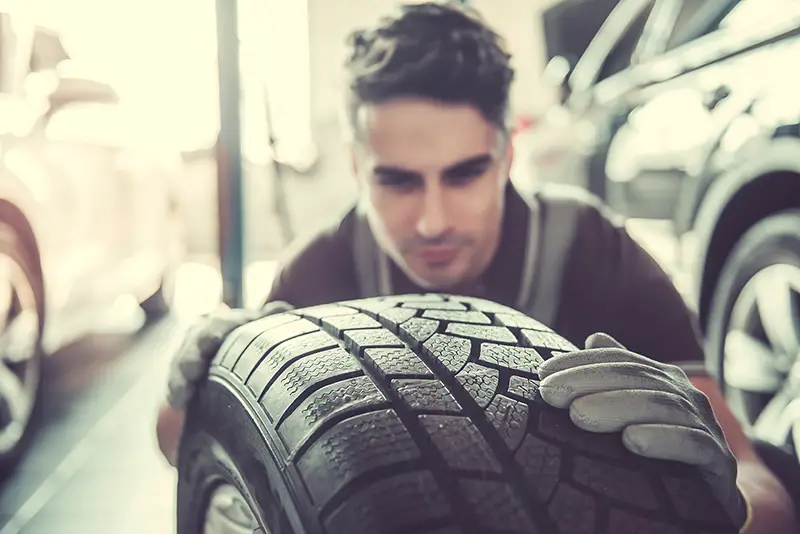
660	413
202	341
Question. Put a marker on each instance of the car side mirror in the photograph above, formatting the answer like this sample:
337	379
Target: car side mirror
76	90
557	74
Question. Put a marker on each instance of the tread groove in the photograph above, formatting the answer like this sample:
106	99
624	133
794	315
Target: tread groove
319	384
536	512
431	455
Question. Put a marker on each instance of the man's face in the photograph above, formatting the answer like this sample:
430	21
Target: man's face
433	177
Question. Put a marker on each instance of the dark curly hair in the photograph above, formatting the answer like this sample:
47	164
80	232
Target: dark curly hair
442	51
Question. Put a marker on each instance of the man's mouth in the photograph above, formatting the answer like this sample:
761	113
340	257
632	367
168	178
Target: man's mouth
439	255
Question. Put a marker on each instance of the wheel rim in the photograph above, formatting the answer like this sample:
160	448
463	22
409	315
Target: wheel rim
19	363
761	350
229	513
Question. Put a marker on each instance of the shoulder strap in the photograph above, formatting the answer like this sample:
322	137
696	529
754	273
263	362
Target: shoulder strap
551	233
371	264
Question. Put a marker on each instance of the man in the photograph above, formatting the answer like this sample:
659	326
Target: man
428	101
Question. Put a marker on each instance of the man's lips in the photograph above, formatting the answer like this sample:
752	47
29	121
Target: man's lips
438	255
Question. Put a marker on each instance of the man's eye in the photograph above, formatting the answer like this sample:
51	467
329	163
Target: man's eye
400	182
466	176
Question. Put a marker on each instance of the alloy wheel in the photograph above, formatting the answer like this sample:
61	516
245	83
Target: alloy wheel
762	344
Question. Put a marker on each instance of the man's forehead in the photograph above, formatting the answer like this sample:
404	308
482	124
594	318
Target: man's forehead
420	134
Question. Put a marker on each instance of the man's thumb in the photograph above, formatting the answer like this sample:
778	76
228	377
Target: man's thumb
602	341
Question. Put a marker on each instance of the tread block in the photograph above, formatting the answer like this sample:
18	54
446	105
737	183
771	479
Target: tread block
264	342
426	395
418	329
305	374
327	310
415	297
473	317
460	442
359	340
397	362
242	337
480	382
452	352
522	359
573	510
434	305
487	306
370	306
510	418
332	400
541	463
498	334
496	506
517	320
523	387
616	482
354	448
390	505
690	502
622	522
397	316
284	354
339	323
548	340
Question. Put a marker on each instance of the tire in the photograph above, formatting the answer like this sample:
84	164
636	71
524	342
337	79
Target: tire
415	414
772	241
18	253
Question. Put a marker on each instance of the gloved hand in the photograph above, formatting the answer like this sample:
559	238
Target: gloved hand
660	413
200	345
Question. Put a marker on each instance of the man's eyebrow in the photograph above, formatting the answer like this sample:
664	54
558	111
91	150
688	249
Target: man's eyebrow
469	163
388	169
475	161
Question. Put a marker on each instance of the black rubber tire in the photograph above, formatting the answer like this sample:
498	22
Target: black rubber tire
415	414
18	250
773	240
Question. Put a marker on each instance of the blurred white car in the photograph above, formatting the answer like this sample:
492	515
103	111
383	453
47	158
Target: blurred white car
87	214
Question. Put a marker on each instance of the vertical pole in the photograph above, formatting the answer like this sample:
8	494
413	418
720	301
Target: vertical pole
229	156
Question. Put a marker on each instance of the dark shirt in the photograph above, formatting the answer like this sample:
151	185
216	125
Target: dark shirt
609	283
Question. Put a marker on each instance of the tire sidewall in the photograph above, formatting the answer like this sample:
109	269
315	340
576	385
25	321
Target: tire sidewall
773	240
12	245
222	444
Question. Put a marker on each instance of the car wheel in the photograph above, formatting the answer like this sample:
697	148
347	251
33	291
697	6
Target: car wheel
21	312
417	413
754	327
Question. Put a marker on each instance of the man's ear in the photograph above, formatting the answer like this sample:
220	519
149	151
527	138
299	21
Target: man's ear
509	157
353	159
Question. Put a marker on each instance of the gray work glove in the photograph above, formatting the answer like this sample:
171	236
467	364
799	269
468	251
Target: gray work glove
200	345
660	413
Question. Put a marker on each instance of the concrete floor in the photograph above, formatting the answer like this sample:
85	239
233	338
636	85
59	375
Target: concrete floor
94	466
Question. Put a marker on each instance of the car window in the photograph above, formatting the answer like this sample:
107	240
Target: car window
690	14
749	13
622	53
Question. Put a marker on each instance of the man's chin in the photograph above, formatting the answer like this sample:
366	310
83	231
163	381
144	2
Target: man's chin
439	281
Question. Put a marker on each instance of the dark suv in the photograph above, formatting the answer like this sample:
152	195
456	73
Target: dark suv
689	113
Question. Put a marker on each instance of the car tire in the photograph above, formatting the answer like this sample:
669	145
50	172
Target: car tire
17	259
774	241
416	413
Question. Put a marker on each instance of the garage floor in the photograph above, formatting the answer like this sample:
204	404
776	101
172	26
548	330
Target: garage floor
94	466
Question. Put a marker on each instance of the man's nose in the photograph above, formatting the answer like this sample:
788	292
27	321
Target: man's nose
433	221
